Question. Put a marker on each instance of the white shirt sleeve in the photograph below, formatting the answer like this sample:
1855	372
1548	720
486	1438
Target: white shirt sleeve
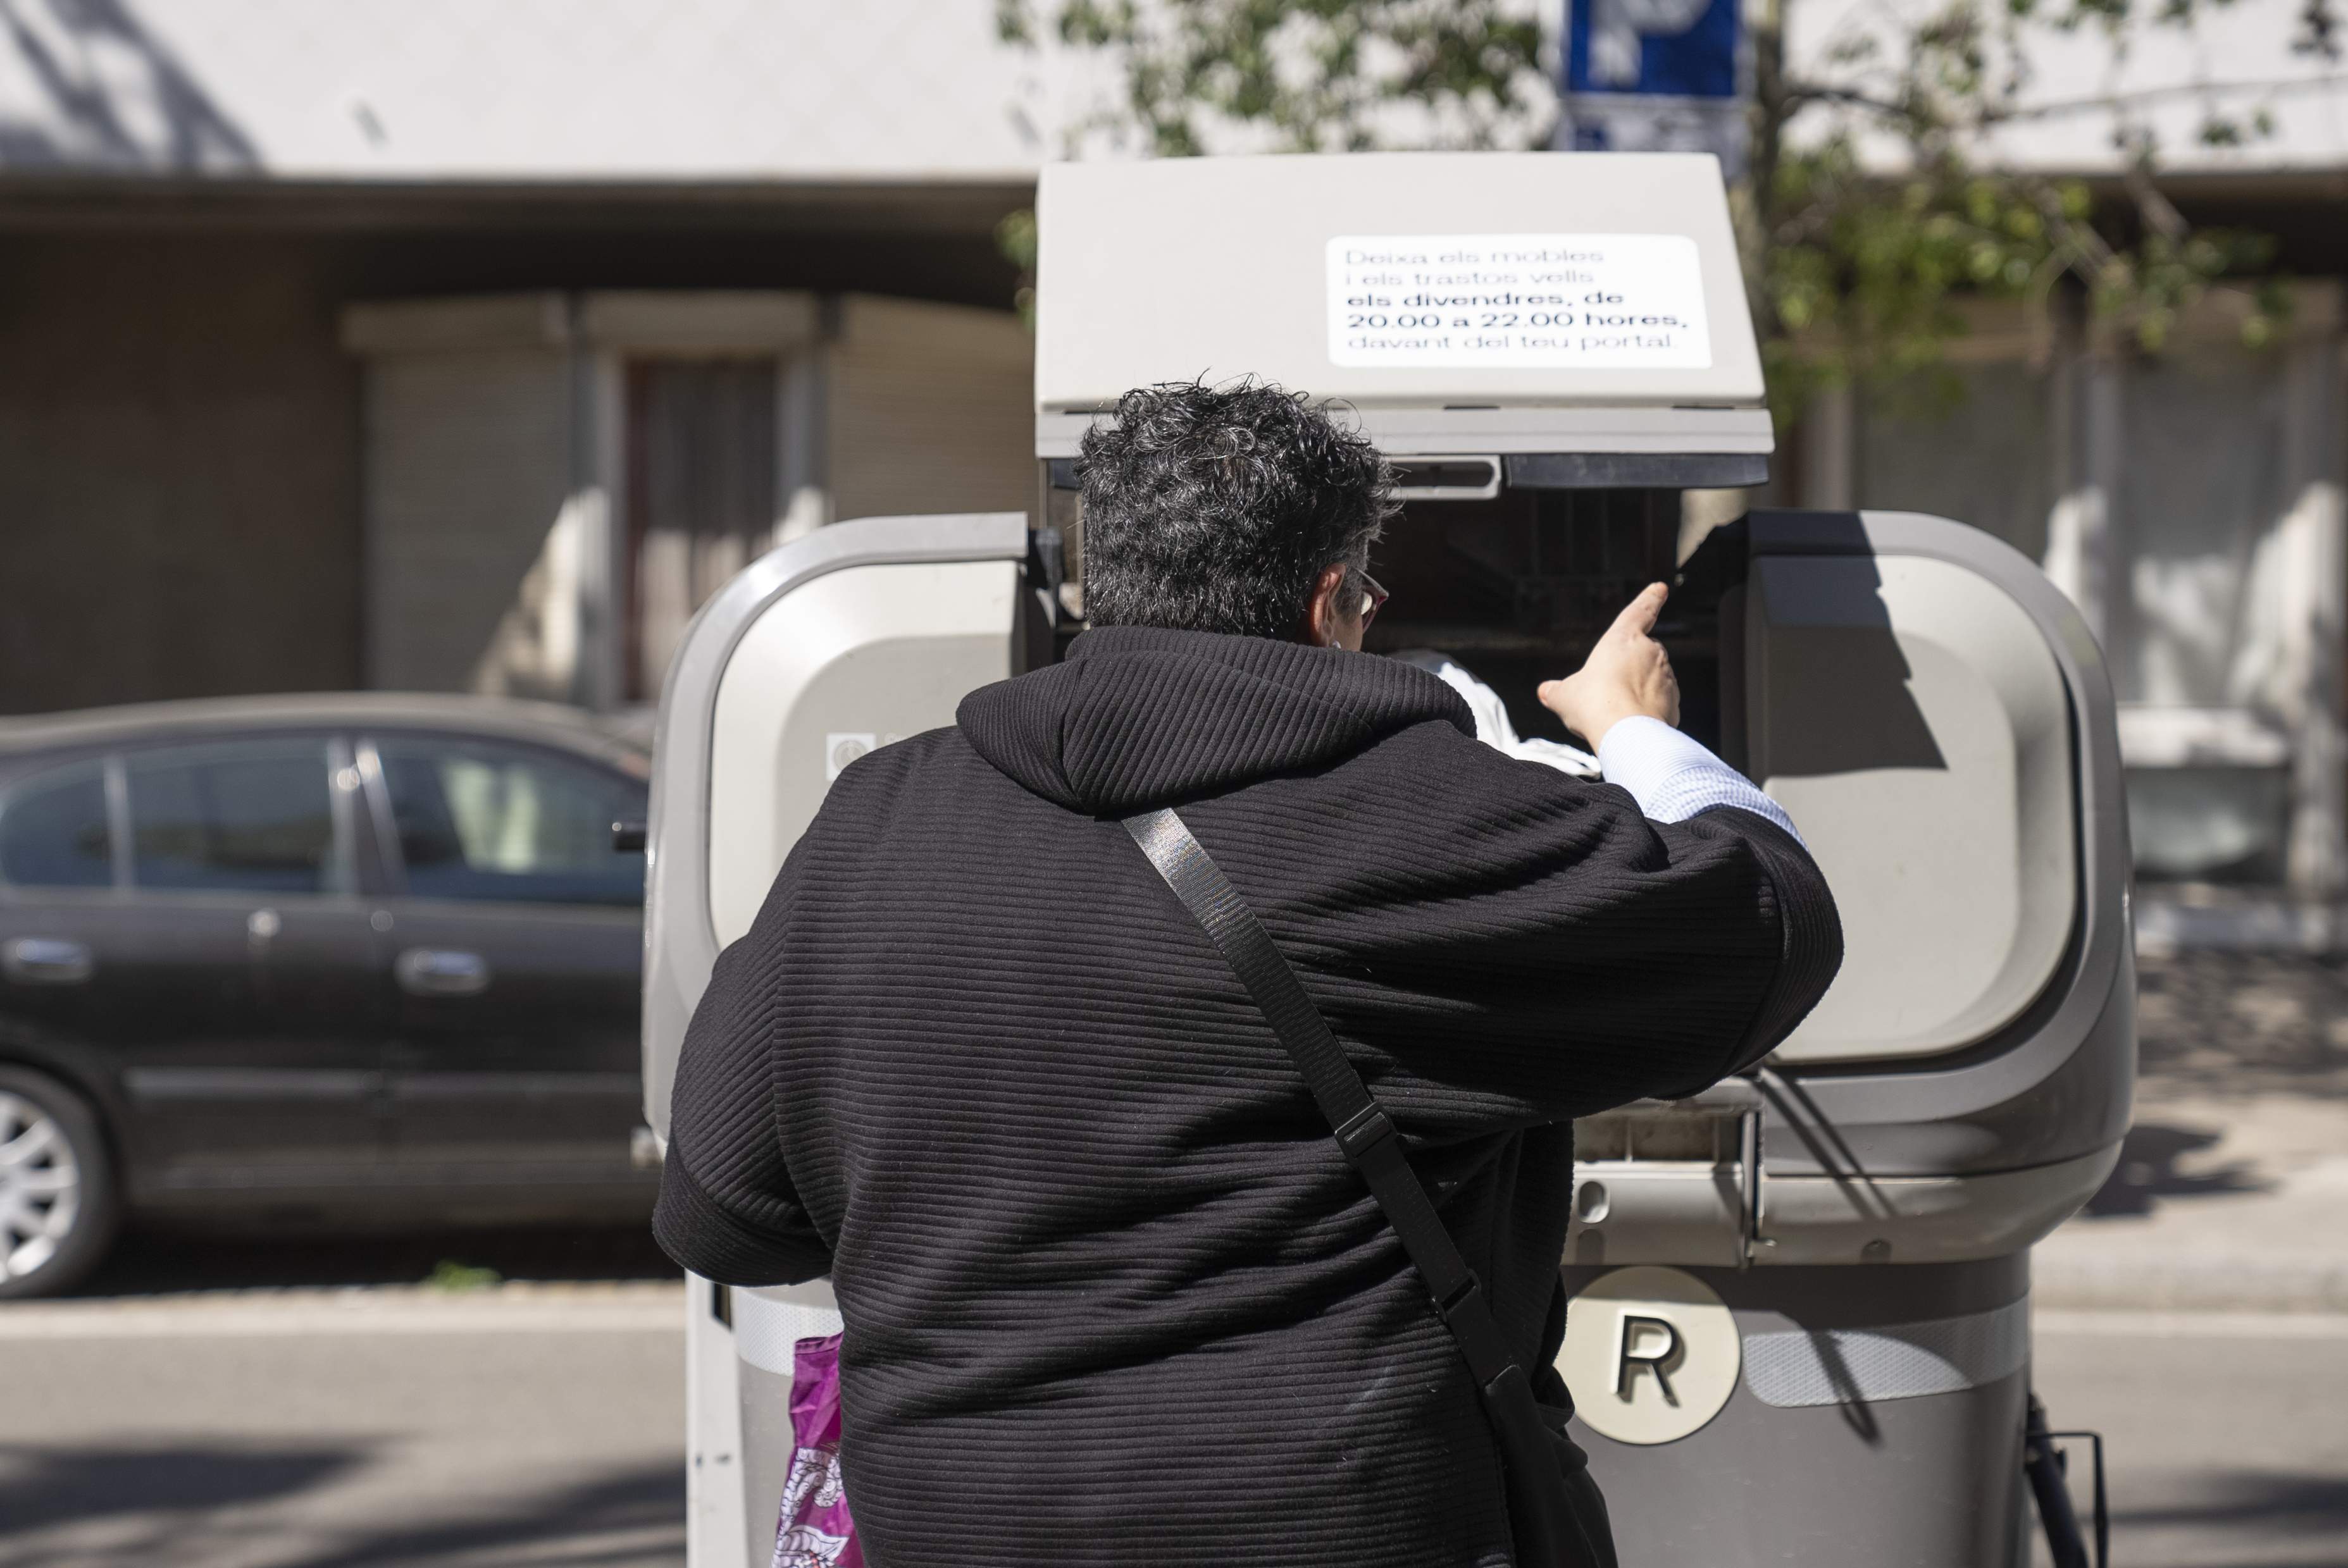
1673	778
1670	776
1491	716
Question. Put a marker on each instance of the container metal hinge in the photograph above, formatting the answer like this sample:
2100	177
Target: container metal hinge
1676	1181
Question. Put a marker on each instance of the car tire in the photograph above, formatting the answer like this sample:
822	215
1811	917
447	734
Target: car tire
60	1201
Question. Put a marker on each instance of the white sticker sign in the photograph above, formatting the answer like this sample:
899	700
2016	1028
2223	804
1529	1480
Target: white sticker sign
1650	1354
1527	302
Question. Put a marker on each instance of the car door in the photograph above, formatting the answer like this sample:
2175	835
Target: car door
227	967
516	934
63	884
243	883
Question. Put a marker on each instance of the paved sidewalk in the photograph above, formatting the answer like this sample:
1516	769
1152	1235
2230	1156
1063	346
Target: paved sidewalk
2232	1189
2218	1203
506	1428
368	1310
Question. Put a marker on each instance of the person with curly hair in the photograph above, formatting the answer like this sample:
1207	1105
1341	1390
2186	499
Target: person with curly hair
1113	1294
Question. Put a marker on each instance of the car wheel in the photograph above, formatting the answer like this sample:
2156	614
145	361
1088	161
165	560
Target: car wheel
58	1204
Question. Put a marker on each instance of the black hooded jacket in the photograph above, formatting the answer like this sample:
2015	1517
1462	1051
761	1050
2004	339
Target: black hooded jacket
1113	1295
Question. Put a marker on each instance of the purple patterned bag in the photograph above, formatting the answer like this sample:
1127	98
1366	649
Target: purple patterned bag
812	1529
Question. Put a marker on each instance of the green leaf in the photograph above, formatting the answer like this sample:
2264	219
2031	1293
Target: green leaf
449	1275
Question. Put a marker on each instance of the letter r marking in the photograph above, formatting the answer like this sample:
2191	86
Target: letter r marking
1630	1357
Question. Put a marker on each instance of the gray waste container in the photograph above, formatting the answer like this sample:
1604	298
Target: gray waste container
1799	1331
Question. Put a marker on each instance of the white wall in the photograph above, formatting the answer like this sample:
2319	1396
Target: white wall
768	90
2236	60
495	458
732	90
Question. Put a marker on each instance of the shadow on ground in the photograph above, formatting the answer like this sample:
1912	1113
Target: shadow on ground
2240	1517
2147	1172
636	1514
201	1506
2227	1023
148	1264
43	1487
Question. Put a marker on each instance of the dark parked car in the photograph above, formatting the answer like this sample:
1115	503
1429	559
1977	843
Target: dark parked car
349	959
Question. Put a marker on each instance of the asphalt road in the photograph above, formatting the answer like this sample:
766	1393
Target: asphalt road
285	1441
294	1427
2227	1434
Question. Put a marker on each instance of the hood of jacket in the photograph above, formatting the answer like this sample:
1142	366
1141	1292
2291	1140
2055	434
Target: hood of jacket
1139	717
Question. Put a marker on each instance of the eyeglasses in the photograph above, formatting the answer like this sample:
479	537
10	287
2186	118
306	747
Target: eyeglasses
1373	599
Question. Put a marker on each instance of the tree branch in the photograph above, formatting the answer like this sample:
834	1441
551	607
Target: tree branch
1799	93
2153	95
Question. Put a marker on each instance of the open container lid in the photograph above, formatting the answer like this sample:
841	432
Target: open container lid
1504	303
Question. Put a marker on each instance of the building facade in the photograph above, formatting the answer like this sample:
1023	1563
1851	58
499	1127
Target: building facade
450	348
2191	504
424	344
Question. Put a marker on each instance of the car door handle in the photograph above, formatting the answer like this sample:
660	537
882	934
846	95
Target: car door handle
48	962
441	972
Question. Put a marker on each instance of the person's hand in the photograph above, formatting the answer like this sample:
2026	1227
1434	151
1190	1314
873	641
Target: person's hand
1626	675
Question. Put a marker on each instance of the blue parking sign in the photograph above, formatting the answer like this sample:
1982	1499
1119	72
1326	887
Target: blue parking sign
1654	75
1677	48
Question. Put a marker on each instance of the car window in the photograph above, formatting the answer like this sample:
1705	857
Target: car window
480	819
54	833
254	816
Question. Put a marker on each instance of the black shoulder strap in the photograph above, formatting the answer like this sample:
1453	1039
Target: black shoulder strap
1362	1130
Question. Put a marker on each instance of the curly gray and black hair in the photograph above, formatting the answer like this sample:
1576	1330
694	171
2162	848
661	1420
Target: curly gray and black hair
1215	508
